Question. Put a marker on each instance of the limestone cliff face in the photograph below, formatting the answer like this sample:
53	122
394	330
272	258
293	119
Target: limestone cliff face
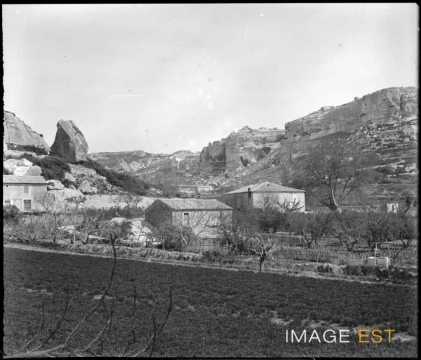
240	149
384	122
384	106
19	136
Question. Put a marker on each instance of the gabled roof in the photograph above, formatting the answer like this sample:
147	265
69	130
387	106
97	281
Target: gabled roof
25	179
194	204
265	187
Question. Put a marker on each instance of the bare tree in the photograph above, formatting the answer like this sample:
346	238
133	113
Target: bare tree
312	227
350	227
290	206
50	205
260	246
334	169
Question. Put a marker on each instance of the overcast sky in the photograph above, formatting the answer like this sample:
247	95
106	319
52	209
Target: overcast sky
162	78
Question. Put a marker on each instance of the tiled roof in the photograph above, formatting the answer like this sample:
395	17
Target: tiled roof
194	204
26	179
265	187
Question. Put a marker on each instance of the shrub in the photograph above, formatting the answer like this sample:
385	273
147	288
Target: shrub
173	237
125	181
212	256
312	226
10	213
52	167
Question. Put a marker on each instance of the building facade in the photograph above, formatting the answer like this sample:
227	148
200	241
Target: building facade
203	216
265	194
25	192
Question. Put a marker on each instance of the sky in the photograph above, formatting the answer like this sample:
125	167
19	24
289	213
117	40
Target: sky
162	78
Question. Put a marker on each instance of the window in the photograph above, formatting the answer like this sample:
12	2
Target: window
186	219
26	189
7	202
27	205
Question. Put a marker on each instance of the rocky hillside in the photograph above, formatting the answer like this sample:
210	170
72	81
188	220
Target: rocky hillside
69	171
180	167
384	121
238	150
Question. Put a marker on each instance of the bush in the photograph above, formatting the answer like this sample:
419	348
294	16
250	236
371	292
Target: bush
312	226
10	213
173	237
52	167
125	181
212	256
383	227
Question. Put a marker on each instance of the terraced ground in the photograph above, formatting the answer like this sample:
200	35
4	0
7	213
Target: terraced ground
216	312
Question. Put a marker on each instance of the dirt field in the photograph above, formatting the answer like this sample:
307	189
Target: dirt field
216	312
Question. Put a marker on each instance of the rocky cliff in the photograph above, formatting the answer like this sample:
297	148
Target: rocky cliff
385	122
19	136
240	149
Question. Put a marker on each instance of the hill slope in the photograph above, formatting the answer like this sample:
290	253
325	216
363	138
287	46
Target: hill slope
385	122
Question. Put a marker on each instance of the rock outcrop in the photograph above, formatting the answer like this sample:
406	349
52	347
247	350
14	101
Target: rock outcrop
240	149
18	167
86	188
384	106
179	167
54	185
69	143
19	136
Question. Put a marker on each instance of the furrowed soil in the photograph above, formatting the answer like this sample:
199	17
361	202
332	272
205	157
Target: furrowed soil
216	312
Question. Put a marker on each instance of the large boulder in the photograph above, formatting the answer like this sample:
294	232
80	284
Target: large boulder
18	167
69	144
34	171
54	185
19	136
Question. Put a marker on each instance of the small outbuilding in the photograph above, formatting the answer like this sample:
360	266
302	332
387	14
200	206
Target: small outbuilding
263	194
25	192
204	216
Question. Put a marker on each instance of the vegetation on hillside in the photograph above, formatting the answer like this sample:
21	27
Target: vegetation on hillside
52	167
125	181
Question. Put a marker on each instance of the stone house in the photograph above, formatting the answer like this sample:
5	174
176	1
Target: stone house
263	194
204	216
25	192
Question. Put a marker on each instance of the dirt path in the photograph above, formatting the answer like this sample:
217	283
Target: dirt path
307	274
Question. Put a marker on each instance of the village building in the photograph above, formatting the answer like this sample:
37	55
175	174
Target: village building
195	191
25	192
204	216
265	194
